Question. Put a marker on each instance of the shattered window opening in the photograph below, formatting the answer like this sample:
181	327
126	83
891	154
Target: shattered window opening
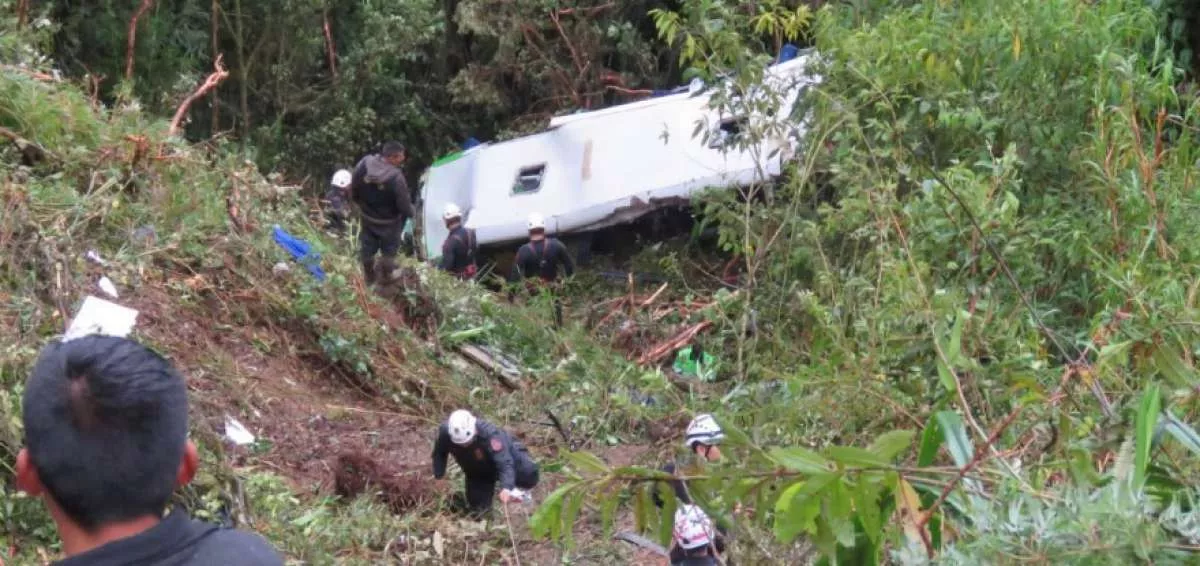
728	130
529	179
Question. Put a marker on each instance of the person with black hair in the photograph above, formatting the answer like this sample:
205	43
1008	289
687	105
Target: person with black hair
380	191
106	445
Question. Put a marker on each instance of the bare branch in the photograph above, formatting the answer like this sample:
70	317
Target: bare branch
219	74
132	42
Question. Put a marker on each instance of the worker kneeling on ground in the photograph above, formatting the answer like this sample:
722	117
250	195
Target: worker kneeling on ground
693	539
458	251
487	455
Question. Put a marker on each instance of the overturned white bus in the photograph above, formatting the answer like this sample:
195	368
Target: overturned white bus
592	170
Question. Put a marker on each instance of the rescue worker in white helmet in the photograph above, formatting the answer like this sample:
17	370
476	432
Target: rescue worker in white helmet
460	247
542	255
693	538
335	200
537	262
487	455
702	438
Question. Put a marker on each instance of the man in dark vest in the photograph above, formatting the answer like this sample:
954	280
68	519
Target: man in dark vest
540	259
380	191
458	251
542	256
487	455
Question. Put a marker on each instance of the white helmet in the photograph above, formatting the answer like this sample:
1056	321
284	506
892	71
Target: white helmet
462	427
451	211
536	222
693	528
342	179
703	428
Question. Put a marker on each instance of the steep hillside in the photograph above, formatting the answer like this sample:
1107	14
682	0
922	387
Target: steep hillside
330	378
961	329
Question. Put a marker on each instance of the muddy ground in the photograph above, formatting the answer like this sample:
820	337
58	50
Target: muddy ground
325	435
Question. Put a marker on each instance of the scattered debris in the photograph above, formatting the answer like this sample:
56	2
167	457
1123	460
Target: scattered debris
664	349
94	257
506	370
236	433
144	236
98	316
639	540
281	268
301	251
107	286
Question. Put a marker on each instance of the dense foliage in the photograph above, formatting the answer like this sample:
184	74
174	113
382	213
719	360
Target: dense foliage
966	330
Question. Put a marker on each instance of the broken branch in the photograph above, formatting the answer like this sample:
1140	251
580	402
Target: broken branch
44	77
219	74
660	351
653	297
586	11
330	47
129	47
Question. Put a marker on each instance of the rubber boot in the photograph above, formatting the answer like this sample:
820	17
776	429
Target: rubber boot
387	268
368	266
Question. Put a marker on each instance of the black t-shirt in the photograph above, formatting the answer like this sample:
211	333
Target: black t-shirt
180	541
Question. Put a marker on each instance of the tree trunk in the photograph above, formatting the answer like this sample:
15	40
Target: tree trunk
455	54
131	43
330	46
214	102
22	13
243	72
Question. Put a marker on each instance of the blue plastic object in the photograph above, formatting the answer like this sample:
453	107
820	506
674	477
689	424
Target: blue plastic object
300	251
470	143
787	53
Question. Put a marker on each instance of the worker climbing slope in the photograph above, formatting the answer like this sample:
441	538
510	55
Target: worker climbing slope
487	455
335	200
460	247
380	191
701	439
693	538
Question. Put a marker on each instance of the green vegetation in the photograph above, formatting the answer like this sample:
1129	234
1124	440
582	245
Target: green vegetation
965	331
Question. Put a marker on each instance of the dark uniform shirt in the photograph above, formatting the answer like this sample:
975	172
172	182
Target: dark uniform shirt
542	259
180	541
458	251
491	454
380	191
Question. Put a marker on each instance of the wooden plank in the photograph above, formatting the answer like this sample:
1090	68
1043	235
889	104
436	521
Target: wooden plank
503	370
639	540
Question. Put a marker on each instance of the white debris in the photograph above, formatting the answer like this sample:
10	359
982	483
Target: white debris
107	286
98	316
236	433
438	544
94	257
281	268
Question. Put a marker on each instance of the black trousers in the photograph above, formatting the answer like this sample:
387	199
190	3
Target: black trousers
480	491
379	239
